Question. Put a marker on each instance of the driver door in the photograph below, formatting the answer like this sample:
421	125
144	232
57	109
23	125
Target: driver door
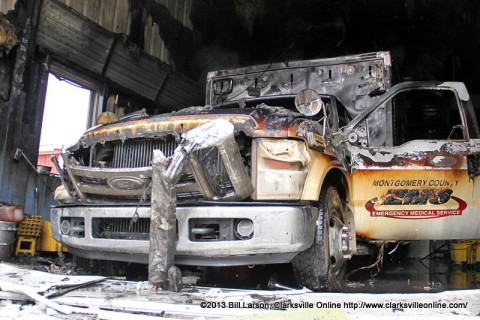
414	178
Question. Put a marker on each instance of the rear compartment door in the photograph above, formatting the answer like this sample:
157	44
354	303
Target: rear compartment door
419	183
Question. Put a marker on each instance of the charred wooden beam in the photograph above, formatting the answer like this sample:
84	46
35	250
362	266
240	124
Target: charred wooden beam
73	39
23	81
8	40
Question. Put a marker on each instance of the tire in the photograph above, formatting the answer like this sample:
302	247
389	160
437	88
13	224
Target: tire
322	266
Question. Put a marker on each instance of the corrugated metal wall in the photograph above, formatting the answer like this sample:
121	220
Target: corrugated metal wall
114	15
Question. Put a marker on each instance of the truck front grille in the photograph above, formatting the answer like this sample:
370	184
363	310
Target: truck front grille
121	172
121	228
139	153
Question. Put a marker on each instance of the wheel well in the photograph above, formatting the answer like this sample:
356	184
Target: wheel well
336	178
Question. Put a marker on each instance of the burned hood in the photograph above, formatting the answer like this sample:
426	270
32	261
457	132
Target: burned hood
262	121
349	78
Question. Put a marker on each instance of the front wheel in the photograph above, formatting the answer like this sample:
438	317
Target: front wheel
322	266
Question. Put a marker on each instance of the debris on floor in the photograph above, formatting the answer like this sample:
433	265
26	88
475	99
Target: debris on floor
29	293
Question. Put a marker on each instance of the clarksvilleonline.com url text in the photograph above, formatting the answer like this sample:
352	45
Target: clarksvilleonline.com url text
337	305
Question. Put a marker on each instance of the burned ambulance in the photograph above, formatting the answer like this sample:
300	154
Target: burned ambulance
321	160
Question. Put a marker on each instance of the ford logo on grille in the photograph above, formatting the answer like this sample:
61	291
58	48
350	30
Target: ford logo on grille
126	183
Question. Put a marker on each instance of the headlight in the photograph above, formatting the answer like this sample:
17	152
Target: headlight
65	226
73	227
280	167
244	229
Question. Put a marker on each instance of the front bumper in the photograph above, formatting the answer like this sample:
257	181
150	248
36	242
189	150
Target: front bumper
279	233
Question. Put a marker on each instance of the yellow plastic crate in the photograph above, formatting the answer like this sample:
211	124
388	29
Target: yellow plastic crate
30	226
26	244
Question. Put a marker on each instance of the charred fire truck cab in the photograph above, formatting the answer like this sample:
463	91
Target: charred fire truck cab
316	162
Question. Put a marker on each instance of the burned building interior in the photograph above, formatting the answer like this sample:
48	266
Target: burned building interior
155	55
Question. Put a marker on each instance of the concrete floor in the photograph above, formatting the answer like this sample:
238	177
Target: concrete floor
119	299
410	284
